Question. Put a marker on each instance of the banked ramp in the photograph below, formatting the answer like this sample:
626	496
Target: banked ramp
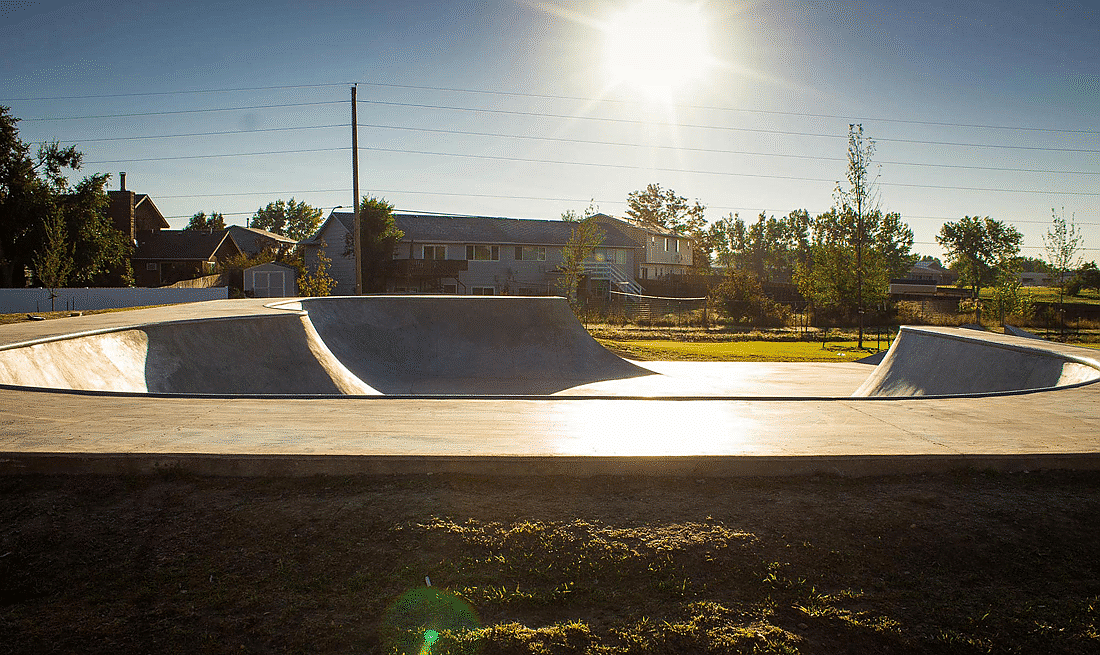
366	345
931	361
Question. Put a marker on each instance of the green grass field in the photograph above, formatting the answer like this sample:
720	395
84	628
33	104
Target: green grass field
741	351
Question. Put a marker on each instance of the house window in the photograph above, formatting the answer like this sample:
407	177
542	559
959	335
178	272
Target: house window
645	273
450	288
676	245
151	266
668	244
482	291
435	252
483	253
531	253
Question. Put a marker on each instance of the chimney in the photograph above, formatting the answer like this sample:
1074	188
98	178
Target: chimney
122	180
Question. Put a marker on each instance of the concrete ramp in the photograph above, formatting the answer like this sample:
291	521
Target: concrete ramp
928	361
362	345
273	354
462	344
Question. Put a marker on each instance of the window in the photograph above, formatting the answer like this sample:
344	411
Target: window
645	273
531	253
676	245
483	253
482	291
668	244
450	288
435	252
151	266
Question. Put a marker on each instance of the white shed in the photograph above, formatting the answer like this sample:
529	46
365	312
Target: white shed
270	280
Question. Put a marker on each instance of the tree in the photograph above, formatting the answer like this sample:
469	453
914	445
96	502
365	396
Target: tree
858	199
1089	276
33	191
570	216
200	222
585	237
663	208
295	220
1062	243
379	236
976	248
318	282
826	275
53	263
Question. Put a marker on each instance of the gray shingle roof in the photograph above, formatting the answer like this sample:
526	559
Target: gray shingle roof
423	228
179	244
253	240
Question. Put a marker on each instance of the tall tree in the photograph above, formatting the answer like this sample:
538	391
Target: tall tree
858	199
977	248
34	187
294	220
1062	242
379	236
664	208
826	275
200	222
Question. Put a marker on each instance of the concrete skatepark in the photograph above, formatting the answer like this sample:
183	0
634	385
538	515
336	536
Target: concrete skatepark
507	385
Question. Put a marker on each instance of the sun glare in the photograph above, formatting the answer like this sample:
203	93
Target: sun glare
658	47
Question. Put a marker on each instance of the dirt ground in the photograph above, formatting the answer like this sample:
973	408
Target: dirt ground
954	563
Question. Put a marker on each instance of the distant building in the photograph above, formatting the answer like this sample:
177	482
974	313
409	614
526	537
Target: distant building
478	255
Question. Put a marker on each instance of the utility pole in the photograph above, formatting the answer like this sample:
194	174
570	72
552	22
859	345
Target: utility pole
355	190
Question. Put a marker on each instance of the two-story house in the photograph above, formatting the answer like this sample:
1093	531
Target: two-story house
662	253
477	255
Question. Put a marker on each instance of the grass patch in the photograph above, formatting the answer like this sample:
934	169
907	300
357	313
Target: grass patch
741	351
952	563
26	317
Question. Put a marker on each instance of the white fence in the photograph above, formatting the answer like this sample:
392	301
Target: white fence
18	301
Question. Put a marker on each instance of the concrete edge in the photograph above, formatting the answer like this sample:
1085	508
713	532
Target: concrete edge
45	463
138	326
1049	349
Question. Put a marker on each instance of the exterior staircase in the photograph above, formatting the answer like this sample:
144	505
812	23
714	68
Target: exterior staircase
608	271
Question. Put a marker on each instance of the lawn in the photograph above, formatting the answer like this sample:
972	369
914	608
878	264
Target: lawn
741	351
950	563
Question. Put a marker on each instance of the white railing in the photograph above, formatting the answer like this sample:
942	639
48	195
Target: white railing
608	271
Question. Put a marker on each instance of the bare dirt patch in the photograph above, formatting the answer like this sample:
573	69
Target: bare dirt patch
954	563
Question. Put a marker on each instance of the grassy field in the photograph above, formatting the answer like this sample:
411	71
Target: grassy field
953	563
739	351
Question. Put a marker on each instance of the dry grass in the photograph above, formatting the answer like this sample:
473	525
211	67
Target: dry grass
959	563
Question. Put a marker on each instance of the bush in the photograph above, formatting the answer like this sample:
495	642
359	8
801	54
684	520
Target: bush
741	297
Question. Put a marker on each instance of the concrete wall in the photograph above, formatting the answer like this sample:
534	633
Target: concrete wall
18	301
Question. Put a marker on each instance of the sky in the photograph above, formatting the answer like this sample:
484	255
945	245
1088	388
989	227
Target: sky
511	108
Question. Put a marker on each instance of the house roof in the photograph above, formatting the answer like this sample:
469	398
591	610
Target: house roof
426	228
253	240
181	245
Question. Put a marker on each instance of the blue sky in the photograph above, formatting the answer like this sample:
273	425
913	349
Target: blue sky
504	108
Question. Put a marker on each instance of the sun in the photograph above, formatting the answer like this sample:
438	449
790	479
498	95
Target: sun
658	47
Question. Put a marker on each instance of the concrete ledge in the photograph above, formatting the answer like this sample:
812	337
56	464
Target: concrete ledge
692	466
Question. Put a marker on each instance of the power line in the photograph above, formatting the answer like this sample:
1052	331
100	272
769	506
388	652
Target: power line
188	111
577	141
736	109
544	96
562	162
190	134
231	154
186	92
509	112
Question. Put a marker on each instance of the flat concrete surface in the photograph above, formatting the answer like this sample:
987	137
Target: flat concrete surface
75	432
